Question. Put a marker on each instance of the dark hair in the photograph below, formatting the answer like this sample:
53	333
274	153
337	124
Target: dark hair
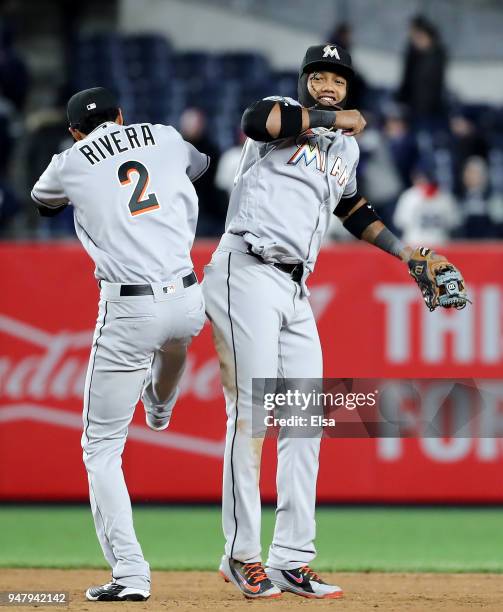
86	126
423	24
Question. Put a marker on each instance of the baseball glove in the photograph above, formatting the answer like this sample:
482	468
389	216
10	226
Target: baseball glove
440	282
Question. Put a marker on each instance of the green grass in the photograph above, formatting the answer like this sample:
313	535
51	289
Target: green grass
349	539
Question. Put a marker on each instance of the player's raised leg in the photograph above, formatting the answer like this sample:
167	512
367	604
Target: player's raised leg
161	388
161	385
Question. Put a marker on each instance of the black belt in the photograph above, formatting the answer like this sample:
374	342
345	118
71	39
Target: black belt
295	270
127	290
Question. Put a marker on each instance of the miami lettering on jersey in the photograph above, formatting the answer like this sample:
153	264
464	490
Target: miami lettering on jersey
310	151
131	137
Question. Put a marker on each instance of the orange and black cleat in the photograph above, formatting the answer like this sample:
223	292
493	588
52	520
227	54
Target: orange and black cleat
250	578
305	582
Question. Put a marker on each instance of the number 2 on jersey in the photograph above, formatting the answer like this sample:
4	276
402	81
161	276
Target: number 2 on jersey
138	204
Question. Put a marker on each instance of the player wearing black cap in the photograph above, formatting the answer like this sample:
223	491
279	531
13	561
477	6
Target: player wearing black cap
297	164
318	59
89	108
135	212
297	169
324	79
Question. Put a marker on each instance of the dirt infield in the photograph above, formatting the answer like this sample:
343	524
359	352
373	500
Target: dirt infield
191	591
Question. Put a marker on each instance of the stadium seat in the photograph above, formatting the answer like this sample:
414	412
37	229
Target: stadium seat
285	83
148	55
247	66
194	65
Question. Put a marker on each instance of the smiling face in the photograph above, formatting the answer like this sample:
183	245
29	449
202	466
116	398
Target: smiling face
327	88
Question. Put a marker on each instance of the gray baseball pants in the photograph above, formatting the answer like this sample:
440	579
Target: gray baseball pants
138	349
263	328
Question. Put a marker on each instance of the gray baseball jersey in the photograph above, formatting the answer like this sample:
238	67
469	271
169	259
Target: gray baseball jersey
135	207
286	218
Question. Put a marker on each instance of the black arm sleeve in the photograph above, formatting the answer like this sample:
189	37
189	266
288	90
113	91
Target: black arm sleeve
253	122
346	204
358	221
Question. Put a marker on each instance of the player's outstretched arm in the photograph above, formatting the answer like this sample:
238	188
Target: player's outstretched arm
272	119
361	220
440	282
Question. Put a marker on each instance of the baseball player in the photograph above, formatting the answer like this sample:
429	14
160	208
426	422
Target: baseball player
298	167
135	211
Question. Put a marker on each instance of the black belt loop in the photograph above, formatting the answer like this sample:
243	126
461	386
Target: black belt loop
132	290
189	280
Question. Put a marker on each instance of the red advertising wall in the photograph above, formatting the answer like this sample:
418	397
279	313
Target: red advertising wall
372	324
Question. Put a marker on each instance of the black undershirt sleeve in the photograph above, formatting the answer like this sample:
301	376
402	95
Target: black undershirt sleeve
254	120
47	211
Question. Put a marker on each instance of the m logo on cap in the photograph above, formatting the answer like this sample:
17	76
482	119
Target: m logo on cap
91	106
331	51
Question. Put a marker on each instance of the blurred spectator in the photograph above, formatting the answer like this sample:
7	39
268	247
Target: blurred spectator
228	165
378	175
422	86
482	211
47	134
342	34
14	78
6	138
401	143
212	206
9	207
424	213
465	141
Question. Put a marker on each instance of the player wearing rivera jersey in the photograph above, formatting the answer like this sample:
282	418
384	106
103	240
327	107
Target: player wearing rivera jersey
135	211
298	167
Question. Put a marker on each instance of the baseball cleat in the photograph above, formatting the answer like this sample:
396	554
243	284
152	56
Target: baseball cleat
157	423
116	592
250	579
304	582
157	416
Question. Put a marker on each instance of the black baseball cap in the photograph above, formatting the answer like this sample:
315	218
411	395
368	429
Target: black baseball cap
327	57
320	58
89	102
